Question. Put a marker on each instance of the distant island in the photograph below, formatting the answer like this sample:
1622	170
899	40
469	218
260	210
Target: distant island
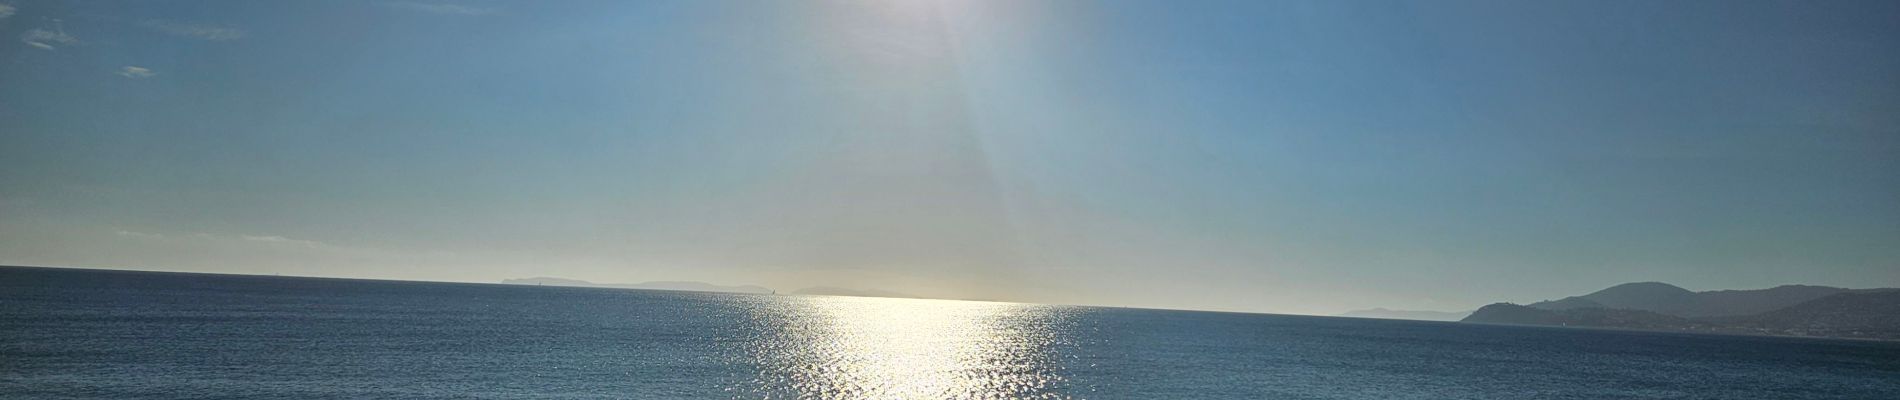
835	291
1382	313
1791	310
684	286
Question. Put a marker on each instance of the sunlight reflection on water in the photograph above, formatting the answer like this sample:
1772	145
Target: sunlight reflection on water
852	347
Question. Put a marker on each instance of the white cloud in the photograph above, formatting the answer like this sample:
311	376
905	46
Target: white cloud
440	8
7	10
136	72
195	31
48	40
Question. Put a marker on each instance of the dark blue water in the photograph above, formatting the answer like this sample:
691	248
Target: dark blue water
105	334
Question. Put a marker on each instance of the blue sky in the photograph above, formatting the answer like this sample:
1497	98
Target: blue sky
1307	157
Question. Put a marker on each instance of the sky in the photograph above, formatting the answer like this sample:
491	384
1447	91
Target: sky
1267	156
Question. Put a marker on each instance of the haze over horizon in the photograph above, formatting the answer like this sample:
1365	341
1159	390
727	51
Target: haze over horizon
1281	157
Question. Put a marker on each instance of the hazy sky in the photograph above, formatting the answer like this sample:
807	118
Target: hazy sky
1303	157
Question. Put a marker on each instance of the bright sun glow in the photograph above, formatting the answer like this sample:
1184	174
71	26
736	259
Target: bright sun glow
847	347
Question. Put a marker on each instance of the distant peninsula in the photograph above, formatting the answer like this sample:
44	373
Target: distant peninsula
1382	313
1790	310
684	286
835	291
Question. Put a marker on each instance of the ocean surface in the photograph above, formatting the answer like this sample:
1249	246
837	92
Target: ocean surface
120	335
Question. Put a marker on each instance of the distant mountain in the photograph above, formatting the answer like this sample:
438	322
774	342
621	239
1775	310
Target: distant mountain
1745	302
1407	314
1507	313
1668	299
685	286
1860	313
835	291
1649	296
1792	310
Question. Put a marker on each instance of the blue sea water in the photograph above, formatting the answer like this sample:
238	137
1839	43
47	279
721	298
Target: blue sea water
116	334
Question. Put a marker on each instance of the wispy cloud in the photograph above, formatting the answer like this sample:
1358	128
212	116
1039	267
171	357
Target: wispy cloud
142	235
136	72
48	40
273	239
7	10
442	8
195	31
270	240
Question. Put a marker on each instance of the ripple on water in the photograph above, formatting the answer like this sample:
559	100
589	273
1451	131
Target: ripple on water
849	347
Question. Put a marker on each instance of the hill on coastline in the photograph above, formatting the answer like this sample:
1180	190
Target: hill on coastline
1791	310
1663	298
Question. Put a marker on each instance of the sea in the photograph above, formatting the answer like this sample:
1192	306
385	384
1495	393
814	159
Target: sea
98	334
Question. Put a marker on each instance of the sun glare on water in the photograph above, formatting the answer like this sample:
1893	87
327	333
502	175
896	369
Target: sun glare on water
873	348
